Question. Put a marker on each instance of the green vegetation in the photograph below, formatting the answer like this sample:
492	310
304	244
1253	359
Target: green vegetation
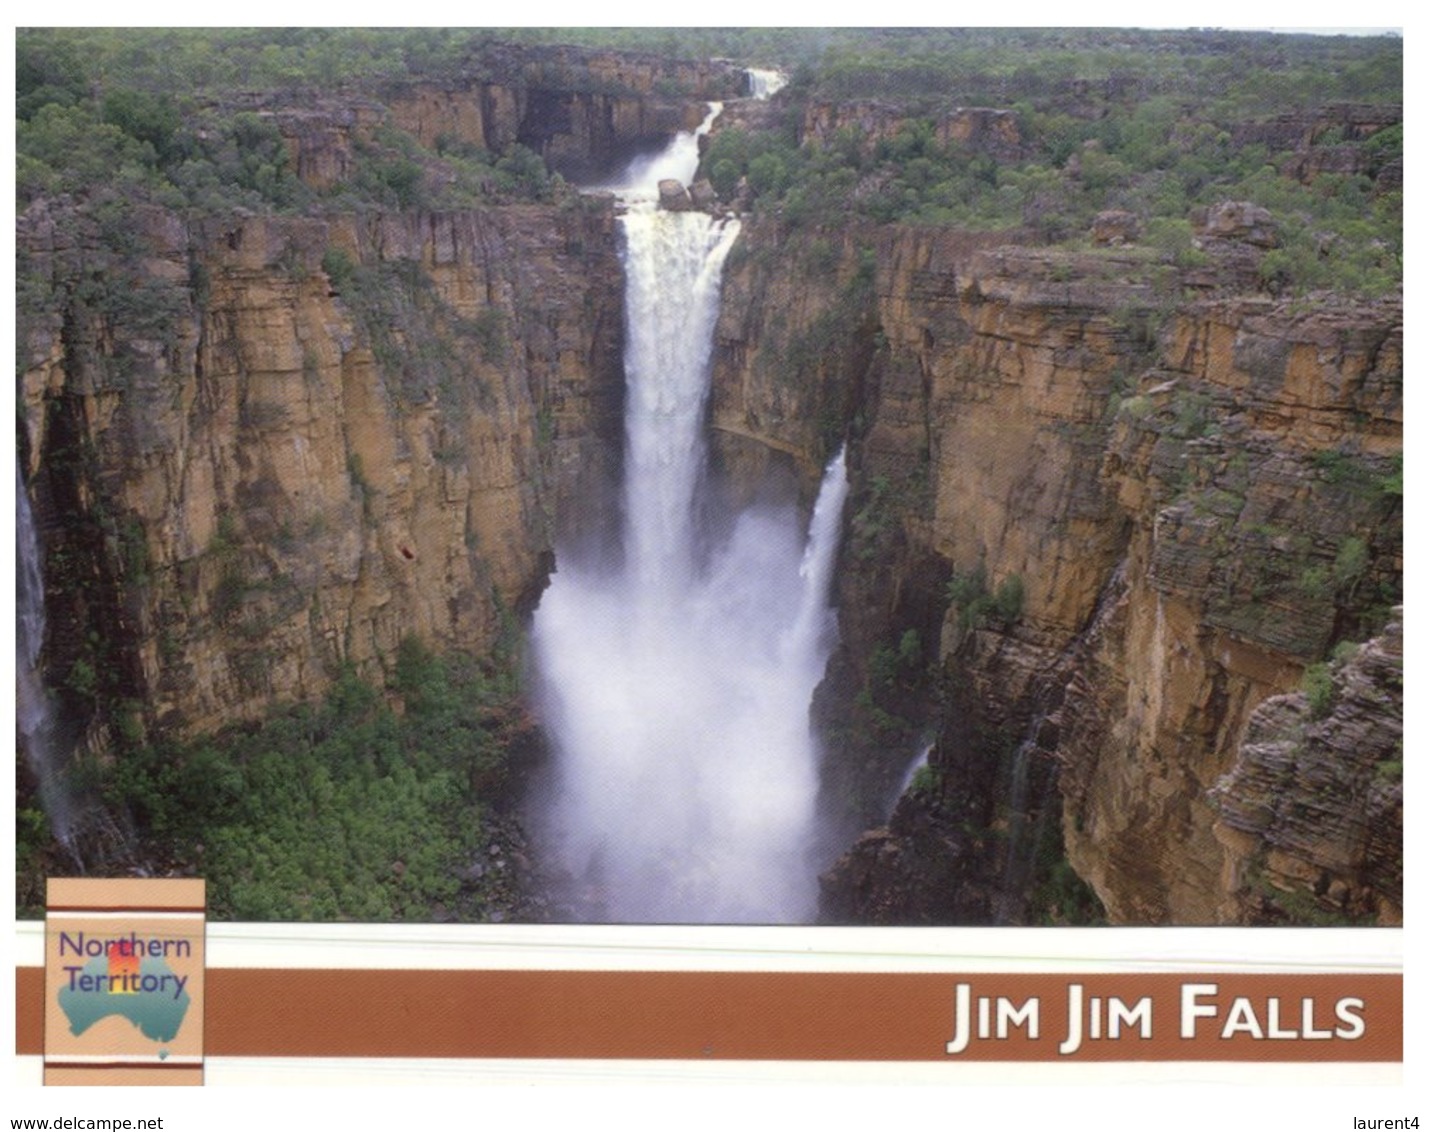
1392	484
167	117
352	809
891	667
1300	907
1156	123
1061	898
925	782
977	605
1092	121
1340	231
396	304
1319	687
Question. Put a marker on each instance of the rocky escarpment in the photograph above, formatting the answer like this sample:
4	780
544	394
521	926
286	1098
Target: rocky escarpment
1328	140
1110	509
1095	524
586	113
1310	812
1265	500
266	449
866	122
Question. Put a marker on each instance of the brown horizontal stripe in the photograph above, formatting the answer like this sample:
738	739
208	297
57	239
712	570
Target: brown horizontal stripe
29	1010
734	1015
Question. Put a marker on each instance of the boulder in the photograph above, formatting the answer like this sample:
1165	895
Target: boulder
674	197
703	196
1237	220
1115	228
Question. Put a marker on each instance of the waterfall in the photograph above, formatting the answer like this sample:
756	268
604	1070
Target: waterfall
921	760
765	84
678	161
1031	797
672	263
34	711
676	686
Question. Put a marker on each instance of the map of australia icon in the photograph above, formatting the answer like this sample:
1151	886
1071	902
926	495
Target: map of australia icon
148	993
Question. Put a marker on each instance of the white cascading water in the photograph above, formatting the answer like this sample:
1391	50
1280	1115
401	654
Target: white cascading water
677	686
921	760
678	161
765	84
34	712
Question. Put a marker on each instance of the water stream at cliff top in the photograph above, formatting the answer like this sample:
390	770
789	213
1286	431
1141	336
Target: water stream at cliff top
676	686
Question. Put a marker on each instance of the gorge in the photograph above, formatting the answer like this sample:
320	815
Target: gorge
1121	548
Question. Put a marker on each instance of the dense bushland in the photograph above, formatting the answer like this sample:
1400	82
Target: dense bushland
175	117
1153	123
1154	136
373	805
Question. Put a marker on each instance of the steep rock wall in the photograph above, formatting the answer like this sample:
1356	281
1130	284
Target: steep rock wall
1097	523
587	113
321	436
1256	474
1310	814
995	133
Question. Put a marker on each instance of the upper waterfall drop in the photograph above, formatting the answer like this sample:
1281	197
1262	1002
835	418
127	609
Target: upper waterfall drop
677	686
765	83
678	161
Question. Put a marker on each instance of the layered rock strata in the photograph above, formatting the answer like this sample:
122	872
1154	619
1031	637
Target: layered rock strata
1098	525
326	435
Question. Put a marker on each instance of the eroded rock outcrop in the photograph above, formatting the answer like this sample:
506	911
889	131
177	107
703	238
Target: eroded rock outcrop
1309	813
976	129
585	112
325	435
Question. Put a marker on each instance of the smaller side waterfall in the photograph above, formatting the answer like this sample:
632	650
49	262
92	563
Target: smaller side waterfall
34	709
765	83
921	760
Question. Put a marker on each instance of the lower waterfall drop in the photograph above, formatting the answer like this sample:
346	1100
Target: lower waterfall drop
677	686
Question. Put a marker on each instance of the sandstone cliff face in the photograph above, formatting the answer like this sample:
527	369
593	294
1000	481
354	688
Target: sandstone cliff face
1263	534
1310	812
1097	534
976	129
263	448
1328	140
323	436
1100	527
587	113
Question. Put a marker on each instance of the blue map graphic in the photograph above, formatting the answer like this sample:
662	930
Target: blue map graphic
158	1014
